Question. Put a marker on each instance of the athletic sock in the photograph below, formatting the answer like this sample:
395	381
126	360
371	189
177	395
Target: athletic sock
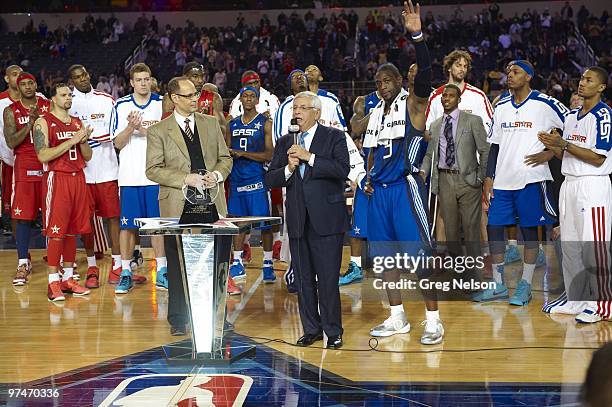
276	236
237	256
91	261
125	265
161	262
432	315
528	270
53	277
498	269
68	271
396	309
512	242
356	260
267	256
116	261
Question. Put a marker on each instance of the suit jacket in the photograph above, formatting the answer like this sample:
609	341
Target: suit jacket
471	138
168	161
321	193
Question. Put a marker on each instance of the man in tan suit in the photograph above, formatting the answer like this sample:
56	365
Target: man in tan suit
177	147
458	142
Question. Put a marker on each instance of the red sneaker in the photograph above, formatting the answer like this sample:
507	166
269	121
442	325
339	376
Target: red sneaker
138	279
246	253
276	249
70	286
93	277
232	288
54	292
21	276
113	276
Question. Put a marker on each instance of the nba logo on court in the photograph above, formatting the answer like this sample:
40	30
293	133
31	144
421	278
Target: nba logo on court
181	390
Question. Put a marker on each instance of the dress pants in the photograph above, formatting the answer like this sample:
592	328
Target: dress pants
316	261
177	307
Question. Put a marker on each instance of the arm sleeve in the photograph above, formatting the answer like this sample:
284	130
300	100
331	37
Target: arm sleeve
422	80
492	160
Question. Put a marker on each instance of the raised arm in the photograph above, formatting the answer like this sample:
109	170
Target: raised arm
359	121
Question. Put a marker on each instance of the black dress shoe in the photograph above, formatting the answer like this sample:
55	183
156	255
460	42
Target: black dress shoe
334	342
309	339
177	331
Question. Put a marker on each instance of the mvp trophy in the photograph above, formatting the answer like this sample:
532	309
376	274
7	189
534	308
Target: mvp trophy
204	244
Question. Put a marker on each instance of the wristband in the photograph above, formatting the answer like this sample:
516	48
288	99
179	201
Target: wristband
417	35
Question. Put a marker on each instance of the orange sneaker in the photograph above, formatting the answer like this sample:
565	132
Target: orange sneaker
232	288
54	292
21	276
93	277
276	249
72	287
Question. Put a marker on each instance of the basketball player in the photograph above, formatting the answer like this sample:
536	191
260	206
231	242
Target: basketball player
585	202
513	188
251	147
314	77
132	115
268	103
209	102
397	215
94	109
61	144
9	96
27	200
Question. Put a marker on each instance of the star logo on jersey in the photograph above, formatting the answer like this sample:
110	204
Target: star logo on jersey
371	102
55	230
18	211
78	125
44	108
257	126
542	219
356	229
53	125
124	220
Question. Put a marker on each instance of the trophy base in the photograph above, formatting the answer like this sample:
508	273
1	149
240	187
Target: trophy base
232	350
199	214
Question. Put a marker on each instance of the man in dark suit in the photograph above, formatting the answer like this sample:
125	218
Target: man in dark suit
313	167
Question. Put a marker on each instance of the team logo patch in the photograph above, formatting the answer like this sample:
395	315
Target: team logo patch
181	390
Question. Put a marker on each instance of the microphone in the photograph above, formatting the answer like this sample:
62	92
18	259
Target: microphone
294	129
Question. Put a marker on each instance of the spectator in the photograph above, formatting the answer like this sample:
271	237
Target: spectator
103	85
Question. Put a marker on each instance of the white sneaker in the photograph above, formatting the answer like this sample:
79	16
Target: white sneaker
589	315
569	308
434	332
395	324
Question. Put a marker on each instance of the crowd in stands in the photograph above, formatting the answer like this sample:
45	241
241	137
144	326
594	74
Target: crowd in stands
345	48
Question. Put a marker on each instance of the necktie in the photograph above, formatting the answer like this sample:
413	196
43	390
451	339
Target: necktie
450	143
188	131
301	143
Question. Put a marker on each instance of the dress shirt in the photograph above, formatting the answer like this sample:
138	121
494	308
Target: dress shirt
454	115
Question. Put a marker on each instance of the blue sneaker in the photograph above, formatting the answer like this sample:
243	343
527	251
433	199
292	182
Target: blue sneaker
541	259
289	278
125	282
512	255
499	293
161	282
353	274
268	272
237	271
522	294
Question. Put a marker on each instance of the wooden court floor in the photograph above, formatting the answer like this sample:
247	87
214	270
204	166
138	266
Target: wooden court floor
523	345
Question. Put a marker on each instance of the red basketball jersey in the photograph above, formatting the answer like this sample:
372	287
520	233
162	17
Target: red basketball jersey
60	132
27	166
205	102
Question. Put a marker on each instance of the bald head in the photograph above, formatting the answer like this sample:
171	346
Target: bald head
10	76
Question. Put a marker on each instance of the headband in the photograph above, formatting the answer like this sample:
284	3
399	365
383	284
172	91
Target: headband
524	65
291	74
250	77
25	75
251	88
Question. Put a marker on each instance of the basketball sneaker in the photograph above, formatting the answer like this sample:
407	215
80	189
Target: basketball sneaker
161	282
137	260
72	287
237	271
21	276
395	324
499	293
522	294
589	315
138	279
569	308
276	249
54	292
434	332
354	274
232	288
268	272
125	282
93	277
114	275
512	255
246	253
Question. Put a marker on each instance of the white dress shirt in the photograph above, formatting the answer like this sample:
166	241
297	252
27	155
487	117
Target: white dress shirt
307	142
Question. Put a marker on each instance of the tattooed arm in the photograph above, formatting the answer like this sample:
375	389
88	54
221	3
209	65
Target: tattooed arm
41	142
12	136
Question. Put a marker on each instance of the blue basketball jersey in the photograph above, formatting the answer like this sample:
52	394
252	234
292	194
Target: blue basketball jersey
398	158
248	137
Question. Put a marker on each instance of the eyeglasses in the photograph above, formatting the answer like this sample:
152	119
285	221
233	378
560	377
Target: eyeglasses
190	96
303	108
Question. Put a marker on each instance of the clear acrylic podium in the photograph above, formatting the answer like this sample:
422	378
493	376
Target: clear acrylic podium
204	256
